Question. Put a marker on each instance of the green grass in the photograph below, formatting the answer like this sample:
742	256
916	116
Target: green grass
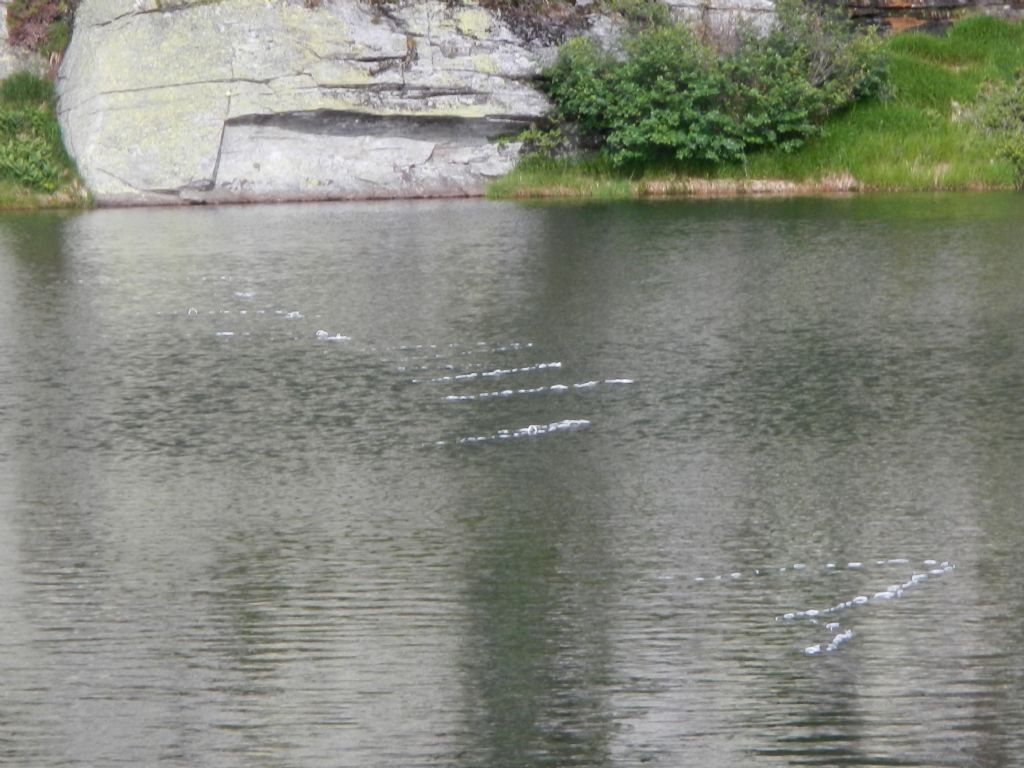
538	176
916	137
35	170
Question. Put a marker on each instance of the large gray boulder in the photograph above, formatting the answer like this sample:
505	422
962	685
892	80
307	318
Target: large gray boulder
167	101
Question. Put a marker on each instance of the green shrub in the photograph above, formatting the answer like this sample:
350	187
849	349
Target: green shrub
661	103
673	97
1000	114
845	62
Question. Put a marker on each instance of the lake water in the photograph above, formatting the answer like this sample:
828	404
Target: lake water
480	484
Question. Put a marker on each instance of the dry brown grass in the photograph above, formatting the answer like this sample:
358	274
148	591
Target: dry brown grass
696	187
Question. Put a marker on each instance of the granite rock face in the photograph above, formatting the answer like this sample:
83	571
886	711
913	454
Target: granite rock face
261	100
720	17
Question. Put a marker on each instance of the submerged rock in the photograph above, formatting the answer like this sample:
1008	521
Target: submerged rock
253	100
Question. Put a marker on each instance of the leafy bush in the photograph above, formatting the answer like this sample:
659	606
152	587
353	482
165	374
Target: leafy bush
1000	114
674	97
28	161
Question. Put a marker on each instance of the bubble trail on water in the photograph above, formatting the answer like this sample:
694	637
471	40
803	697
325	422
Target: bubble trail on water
831	614
323	335
460	373
552	388
491	374
531	430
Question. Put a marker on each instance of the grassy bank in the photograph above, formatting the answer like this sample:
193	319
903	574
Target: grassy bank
917	136
35	170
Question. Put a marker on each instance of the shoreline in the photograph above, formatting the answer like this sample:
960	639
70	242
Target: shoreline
607	190
723	188
71	198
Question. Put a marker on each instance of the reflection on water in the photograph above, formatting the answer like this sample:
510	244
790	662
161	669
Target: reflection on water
467	483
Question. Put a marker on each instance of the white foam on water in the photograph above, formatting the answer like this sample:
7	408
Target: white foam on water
833	567
551	388
842	637
531	430
323	335
892	592
224	334
470	348
495	373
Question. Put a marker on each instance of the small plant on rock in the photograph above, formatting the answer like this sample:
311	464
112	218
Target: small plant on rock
40	25
32	155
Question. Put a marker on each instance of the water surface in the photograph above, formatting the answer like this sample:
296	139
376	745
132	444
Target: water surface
484	484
